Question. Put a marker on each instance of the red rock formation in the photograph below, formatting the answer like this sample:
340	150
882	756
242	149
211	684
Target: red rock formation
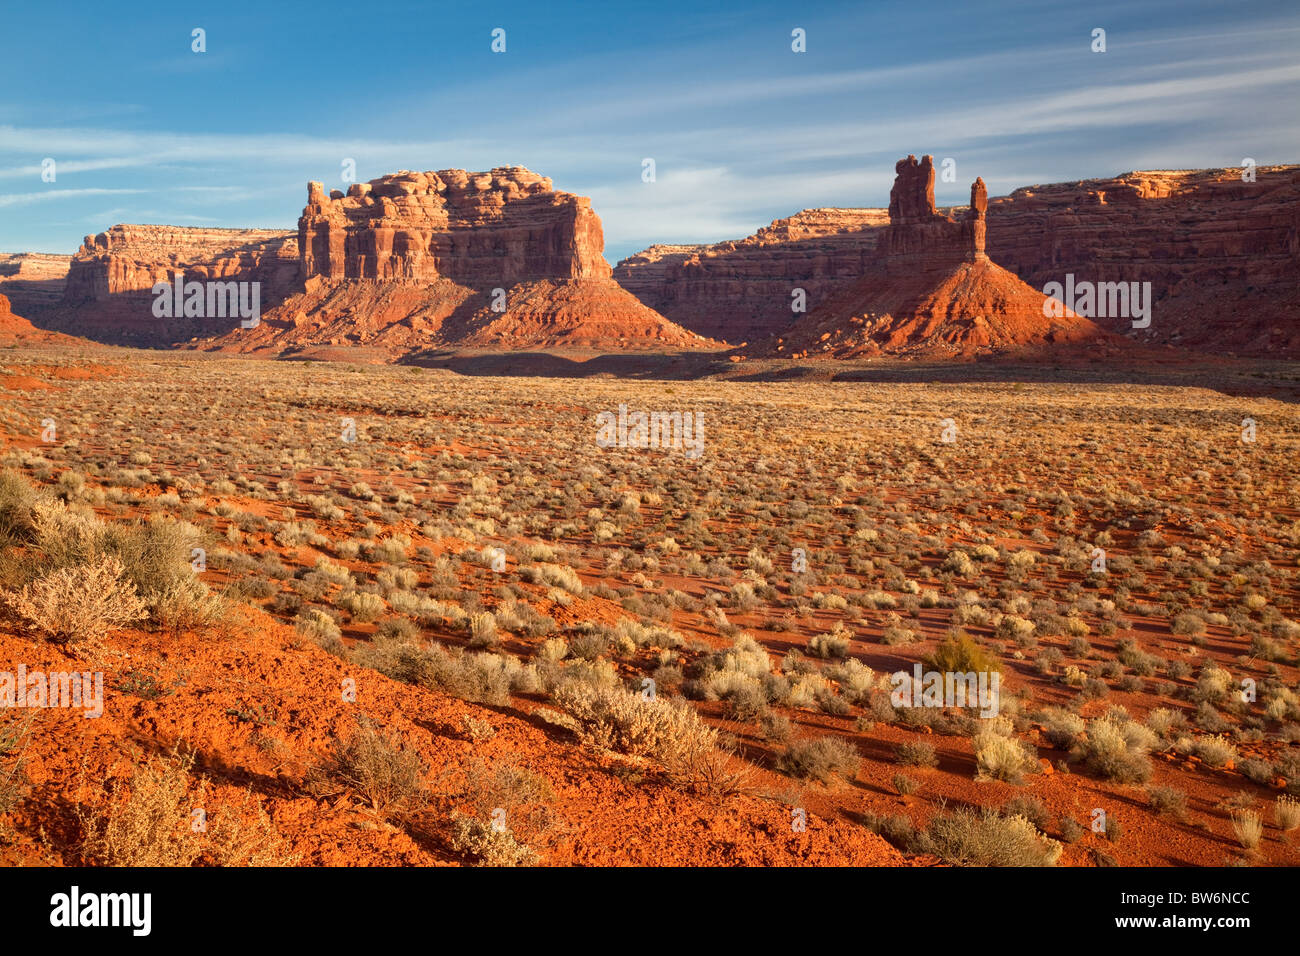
479	229
108	291
452	258
33	281
1223	257
741	291
15	330
931	289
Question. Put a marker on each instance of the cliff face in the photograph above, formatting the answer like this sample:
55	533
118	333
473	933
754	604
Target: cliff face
1222	256
740	291
33	281
931	289
453	258
496	228
107	295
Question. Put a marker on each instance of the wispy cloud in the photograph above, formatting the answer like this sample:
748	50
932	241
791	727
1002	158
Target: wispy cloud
23	199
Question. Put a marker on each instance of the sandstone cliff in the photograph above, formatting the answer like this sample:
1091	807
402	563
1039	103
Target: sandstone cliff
33	281
930	288
740	291
1222	255
1223	258
453	258
108	295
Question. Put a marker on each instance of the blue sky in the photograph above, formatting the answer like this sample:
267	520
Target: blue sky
742	129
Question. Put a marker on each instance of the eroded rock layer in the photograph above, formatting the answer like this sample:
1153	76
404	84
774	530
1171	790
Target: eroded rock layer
108	294
744	290
931	289
33	281
454	258
1222	255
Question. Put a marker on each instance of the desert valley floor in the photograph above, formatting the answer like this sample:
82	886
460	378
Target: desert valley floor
391	606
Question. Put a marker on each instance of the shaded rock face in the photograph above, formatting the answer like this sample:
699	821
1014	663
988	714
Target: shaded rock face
931	290
16	330
107	294
742	291
33	281
496	228
1222	256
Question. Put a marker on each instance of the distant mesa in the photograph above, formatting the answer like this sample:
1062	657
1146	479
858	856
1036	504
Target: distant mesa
501	260
498	259
108	296
1222	256
930	289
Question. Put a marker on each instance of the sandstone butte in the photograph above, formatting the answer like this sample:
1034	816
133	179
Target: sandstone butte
1223	257
407	261
930	288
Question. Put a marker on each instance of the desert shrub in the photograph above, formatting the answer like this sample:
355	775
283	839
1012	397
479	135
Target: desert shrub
1256	771
895	635
855	679
971	838
999	756
1286	813
316	625
1116	749
615	719
482	678
482	629
1062	728
78	604
362	606
375	765
904	785
484	845
13	743
819	758
1248	826
1029	807
915	754
156	557
1213	683
1168	801
1215	751
960	654
397	629
1071	830
553	575
959	563
17	500
146	822
775	728
834	644
1164	722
